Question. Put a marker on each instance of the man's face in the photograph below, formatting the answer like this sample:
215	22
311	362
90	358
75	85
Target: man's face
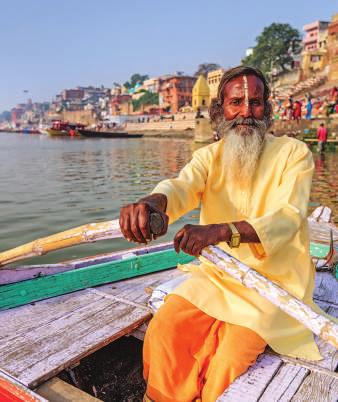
244	98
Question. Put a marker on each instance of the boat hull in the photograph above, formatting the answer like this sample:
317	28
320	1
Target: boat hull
57	133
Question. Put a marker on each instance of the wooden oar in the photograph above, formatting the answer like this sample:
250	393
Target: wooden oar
248	277
82	234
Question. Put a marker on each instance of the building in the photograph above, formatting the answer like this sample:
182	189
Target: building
152	85
315	55
121	105
332	48
200	94
213	79
72	94
175	92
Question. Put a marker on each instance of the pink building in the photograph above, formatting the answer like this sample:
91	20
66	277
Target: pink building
315	35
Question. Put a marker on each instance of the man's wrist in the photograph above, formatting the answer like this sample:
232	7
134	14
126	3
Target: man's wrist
224	232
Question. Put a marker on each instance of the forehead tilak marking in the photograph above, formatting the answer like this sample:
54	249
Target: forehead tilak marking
246	90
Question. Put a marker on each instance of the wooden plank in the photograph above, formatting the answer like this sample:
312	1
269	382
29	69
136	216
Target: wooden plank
12	390
139	289
30	339
20	293
56	390
46	350
284	384
326	288
19	321
317	387
250	386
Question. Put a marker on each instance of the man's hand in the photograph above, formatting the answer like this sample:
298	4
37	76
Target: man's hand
193	238
135	219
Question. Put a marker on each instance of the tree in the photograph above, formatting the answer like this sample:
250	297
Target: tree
148	98
205	68
275	48
135	79
5	116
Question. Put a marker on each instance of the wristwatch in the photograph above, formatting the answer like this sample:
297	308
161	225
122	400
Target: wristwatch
235	239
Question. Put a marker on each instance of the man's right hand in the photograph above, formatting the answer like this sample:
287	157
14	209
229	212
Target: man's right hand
135	218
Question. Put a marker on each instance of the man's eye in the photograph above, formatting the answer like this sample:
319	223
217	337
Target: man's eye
255	102
235	102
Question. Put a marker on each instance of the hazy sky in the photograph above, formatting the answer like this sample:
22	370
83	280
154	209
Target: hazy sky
49	45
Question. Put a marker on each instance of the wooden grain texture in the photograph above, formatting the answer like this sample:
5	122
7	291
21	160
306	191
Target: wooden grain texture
326	288
47	349
250	386
38	340
56	390
317	387
284	384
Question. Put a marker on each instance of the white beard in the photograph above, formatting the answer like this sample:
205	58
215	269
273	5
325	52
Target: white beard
242	150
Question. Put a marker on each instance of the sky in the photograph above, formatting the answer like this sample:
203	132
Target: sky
47	45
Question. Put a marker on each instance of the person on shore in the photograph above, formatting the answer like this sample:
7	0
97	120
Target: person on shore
322	134
309	107
297	111
253	191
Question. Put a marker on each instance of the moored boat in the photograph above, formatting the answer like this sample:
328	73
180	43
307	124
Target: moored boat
108	134
64	129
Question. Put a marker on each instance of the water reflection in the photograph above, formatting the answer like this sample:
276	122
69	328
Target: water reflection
48	184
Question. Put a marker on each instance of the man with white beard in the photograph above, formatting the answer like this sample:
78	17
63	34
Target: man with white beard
253	191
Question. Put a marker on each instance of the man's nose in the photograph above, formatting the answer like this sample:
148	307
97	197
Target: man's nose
246	110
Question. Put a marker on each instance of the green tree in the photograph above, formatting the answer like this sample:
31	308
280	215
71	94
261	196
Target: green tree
135	79
275	48
148	98
205	68
5	116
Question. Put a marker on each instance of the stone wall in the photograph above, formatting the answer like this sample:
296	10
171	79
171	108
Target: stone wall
166	125
79	116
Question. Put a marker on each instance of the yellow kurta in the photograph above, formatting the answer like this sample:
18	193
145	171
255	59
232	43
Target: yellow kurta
277	209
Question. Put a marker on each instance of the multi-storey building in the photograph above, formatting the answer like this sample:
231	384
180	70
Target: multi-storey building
314	55
175	92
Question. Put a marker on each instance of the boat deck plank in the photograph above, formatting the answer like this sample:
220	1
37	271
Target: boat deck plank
317	387
62	330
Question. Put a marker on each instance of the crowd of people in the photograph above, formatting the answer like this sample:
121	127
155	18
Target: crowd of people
307	107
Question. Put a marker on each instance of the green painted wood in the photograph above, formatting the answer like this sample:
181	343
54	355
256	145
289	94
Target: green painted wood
17	294
319	250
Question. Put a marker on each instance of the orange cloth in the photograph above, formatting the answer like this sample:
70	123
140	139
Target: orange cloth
189	355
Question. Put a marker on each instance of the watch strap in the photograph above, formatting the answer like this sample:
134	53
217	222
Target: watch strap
235	239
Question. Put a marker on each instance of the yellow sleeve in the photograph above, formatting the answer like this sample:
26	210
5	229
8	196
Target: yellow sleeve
184	193
288	206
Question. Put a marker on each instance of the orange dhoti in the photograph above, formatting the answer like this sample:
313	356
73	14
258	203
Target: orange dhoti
189	355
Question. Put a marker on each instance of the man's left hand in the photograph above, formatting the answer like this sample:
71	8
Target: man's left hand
193	238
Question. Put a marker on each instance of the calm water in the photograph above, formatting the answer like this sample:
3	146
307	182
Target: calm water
53	184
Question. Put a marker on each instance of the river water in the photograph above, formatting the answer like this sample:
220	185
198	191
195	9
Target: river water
52	184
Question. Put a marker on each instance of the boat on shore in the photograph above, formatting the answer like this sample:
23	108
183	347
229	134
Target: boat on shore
107	134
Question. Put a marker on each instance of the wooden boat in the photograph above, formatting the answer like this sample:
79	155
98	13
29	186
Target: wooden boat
64	129
62	330
108	134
